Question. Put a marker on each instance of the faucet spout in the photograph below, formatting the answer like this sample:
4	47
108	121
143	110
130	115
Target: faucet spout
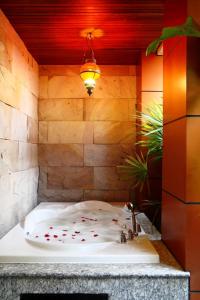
131	207
134	223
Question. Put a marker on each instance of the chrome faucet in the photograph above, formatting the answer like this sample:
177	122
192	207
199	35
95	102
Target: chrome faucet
131	207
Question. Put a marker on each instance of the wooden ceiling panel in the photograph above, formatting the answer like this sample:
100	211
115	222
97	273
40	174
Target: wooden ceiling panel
51	28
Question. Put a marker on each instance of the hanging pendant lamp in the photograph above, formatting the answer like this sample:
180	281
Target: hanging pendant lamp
89	71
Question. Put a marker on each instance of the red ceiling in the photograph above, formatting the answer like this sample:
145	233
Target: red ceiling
51	28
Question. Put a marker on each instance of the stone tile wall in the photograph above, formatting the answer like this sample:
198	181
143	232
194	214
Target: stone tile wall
82	139
18	128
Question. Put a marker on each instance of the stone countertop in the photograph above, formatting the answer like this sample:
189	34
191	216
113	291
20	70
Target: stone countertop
168	267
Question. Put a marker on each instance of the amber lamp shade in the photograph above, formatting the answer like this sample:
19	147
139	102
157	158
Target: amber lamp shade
89	73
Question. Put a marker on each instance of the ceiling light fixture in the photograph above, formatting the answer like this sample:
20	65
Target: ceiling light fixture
89	72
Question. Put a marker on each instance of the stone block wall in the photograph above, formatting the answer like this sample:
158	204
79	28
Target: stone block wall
82	139
18	128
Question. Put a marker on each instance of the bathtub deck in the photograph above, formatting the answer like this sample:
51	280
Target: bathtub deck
142	281
15	249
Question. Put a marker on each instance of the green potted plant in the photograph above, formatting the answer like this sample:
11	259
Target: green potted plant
138	167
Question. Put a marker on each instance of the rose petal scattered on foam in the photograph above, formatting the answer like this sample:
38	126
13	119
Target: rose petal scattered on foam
83	240
55	236
46	235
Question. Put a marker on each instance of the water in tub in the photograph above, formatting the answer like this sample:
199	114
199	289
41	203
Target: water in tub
89	222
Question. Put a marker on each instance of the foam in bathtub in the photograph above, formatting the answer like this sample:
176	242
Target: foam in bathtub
86	232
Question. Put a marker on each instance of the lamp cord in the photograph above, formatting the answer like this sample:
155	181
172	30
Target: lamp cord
89	50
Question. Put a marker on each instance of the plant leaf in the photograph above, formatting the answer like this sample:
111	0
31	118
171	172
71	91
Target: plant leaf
150	125
135	168
187	29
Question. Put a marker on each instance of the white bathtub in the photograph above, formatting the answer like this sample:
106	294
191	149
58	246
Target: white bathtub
86	232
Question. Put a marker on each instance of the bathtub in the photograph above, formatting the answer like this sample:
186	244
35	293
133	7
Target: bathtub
85	232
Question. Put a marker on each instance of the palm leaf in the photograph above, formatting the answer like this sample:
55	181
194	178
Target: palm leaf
187	29
150	125
135	168
151	129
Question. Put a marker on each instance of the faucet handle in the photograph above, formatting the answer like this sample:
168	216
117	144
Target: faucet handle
130	235
123	239
129	205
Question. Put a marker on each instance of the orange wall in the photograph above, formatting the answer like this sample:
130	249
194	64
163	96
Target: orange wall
195	296
181	163
150	90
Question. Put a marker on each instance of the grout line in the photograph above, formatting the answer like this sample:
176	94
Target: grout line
180	118
173	121
93	98
83	155
180	200
84	111
150	91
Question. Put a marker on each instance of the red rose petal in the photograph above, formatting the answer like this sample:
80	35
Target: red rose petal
51	227
95	235
77	232
114	220
48	239
55	236
83	240
46	235
64	234
83	220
